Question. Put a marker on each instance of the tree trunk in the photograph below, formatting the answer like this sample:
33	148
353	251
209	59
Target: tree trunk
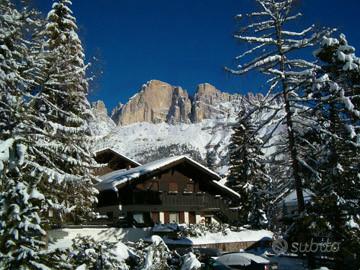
289	123
293	154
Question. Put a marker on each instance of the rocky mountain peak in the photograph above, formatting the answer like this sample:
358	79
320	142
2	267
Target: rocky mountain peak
158	102
99	107
207	89
116	112
102	123
210	102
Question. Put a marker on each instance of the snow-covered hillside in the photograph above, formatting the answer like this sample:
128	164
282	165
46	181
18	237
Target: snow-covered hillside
206	141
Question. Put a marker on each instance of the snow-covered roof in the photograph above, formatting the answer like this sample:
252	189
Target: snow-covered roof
221	184
116	178
118	154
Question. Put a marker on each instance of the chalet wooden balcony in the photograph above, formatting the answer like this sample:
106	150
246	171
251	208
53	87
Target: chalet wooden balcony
199	200
167	201
152	201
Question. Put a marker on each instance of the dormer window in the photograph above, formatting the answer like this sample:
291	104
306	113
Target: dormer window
155	186
190	188
173	187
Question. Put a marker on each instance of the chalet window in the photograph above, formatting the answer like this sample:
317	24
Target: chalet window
174	217
147	185
190	188
173	187
155	186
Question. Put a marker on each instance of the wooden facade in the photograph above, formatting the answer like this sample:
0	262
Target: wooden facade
181	193
112	161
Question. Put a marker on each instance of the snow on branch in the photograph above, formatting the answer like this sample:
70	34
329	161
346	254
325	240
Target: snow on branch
302	33
249	39
250	51
257	62
259	26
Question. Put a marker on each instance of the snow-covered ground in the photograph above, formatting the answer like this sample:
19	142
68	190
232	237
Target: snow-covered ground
219	237
62	238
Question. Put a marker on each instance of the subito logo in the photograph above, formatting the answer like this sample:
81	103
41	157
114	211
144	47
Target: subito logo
280	246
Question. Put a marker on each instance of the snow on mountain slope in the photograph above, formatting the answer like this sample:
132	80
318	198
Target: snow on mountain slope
146	142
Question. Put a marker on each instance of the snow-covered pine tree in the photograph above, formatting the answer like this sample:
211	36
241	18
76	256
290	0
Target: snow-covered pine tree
154	256
95	254
20	201
247	174
12	54
63	111
20	231
336	102
275	53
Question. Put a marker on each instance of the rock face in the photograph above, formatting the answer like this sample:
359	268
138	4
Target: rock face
157	102
99	109
102	124
210	102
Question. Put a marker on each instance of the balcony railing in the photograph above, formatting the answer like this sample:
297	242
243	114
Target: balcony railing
202	200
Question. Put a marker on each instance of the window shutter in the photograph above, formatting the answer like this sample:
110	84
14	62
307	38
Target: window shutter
166	217
182	217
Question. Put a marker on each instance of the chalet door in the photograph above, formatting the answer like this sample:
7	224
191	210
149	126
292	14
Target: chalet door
155	217
192	218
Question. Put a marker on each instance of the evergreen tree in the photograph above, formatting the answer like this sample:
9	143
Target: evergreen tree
20	201
63	111
155	255
12	55
274	52
335	98
44	158
95	254
247	172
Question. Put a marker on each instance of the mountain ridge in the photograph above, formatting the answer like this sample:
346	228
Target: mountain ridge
158	101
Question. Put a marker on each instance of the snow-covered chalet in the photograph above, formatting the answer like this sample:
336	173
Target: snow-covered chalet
175	189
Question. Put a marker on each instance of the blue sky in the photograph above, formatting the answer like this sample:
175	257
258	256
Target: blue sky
183	42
